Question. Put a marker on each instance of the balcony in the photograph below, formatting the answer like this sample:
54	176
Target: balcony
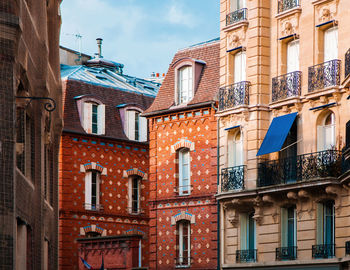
247	255
284	5
347	63
286	253
234	95
300	168
236	16
93	207
323	251
324	75
347	247
286	86
232	178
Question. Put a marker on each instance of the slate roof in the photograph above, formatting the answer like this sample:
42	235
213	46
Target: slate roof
112	89
208	52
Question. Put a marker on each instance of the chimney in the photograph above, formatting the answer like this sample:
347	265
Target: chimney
99	45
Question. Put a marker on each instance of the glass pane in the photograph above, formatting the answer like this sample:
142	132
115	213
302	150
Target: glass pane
251	232
291	224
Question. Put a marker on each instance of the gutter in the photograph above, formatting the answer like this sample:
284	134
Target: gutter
188	107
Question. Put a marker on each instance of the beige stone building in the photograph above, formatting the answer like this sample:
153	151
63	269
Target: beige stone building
283	109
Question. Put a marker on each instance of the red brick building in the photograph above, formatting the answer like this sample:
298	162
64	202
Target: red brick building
183	158
104	157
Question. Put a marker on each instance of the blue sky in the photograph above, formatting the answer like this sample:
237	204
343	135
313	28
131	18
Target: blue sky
141	34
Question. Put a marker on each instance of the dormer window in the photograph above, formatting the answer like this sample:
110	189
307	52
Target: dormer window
185	84
136	128
94	118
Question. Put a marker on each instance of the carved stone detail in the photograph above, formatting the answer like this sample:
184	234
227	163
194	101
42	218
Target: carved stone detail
289	25
326	12
236	38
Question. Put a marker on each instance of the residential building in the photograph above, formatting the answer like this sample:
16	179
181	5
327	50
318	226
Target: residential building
30	127
183	171
283	109
104	155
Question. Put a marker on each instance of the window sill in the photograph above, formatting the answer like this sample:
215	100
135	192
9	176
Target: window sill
235	25
182	266
288	12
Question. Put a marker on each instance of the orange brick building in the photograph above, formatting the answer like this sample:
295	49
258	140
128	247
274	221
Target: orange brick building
104	167
183	158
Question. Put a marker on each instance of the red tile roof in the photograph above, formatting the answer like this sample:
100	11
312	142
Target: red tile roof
208	83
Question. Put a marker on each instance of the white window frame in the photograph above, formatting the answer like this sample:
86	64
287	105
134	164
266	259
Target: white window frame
130	194
88	190
133	120
244	231
88	115
321	223
184	189
182	256
185	84
284	227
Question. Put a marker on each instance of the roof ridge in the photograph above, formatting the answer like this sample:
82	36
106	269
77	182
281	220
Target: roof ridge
200	44
75	70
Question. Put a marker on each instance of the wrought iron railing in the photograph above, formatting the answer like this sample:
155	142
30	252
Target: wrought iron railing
93	207
236	16
323	251
324	75
247	255
232	178
300	168
234	95
183	261
347	63
284	5
347	247
286	253
286	86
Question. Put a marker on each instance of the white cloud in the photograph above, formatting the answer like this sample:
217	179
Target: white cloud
178	15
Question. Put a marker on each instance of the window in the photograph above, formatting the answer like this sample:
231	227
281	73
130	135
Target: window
330	44
94	118
185	84
134	194
183	240
239	67
237	4
288	227
325	230
326	133
136	126
92	234
92	191
23	246
235	149
184	172
293	56
247	236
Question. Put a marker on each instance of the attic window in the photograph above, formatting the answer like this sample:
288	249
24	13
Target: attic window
93	117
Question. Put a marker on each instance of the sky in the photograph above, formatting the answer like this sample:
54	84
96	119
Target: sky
143	35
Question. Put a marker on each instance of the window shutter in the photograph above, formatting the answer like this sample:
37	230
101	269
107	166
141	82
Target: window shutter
284	227
243	228
238	68
293	56
131	124
331	44
101	119
320	138
230	151
143	129
190	83
88	190
87	117
319	224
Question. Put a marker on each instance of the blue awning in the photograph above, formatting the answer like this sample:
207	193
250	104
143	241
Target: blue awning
232	127
277	134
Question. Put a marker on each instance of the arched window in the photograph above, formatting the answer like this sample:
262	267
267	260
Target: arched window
183	240
235	148
92	191
184	187
185	84
326	133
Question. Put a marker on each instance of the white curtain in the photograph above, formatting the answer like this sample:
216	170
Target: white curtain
185	84
131	124
293	56
240	67
87	117
331	44
101	119
143	129
184	172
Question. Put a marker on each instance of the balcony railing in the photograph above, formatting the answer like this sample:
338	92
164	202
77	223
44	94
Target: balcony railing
93	207
183	262
347	247
284	5
300	168
236	16
347	63
286	86
323	251
247	255
232	178
286	253
233	95
324	75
